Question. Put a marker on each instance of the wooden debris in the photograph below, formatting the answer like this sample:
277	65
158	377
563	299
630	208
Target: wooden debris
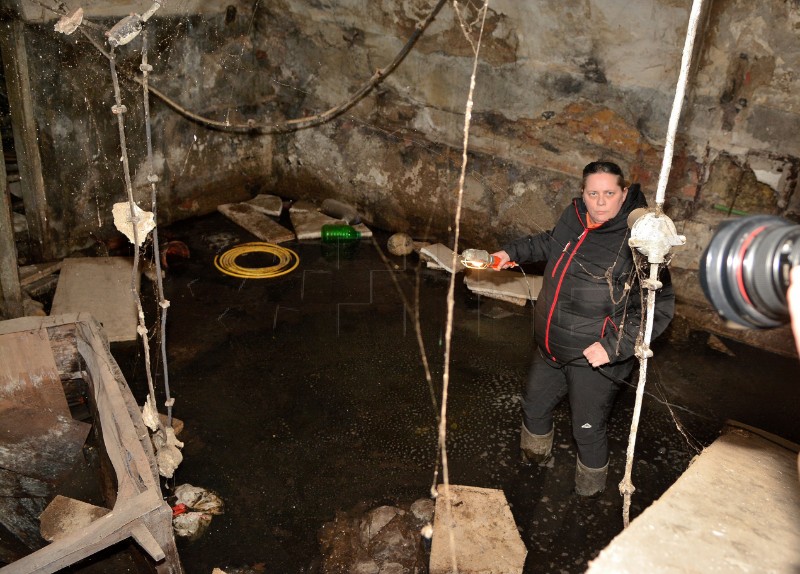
102	286
267	204
139	510
439	256
65	515
254	221
28	374
37	444
32	273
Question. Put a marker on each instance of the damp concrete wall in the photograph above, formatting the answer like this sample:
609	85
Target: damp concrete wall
557	85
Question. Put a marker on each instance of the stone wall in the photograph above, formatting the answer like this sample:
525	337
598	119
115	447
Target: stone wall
558	84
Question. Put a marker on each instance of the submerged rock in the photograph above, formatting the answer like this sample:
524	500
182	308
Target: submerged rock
383	540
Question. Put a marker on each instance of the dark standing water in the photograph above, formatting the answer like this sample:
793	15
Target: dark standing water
304	396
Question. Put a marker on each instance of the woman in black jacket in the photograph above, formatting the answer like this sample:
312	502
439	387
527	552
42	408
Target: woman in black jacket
586	319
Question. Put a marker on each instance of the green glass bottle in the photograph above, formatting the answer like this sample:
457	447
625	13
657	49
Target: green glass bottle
339	233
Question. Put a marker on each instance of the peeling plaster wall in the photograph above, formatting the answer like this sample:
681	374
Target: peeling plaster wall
194	60
558	85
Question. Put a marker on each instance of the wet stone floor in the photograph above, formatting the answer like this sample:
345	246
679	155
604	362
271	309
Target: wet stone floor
305	395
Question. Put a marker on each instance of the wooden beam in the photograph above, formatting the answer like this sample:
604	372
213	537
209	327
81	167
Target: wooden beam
23	123
10	290
99	535
140	511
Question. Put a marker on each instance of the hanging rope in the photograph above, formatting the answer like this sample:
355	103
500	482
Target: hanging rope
652	284
677	103
451	290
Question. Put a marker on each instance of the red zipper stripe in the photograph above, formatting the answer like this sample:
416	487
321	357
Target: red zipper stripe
560	258
558	290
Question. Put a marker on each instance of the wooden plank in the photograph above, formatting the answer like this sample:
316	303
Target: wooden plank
124	445
139	502
254	221
28	373
442	256
38	444
102	286
148	542
32	273
20	517
504	285
15	485
23	123
64	515
267	204
10	289
36	323
99	535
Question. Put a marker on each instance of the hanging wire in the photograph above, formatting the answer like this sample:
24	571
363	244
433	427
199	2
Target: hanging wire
163	303
251	126
119	110
643	351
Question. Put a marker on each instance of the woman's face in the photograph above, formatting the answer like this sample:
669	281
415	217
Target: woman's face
603	196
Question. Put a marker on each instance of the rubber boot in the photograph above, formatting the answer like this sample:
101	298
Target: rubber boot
536	448
590	482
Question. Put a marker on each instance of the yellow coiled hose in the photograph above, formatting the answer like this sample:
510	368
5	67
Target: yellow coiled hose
288	261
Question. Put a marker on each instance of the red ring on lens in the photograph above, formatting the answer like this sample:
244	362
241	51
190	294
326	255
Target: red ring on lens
739	271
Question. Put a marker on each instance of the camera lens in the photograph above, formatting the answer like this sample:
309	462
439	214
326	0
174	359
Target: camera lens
744	271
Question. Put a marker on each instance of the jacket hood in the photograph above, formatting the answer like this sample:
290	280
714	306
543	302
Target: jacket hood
634	200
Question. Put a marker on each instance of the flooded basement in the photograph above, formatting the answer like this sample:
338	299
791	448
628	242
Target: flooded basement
305	397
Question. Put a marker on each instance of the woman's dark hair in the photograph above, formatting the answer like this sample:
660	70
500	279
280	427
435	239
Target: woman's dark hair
603	167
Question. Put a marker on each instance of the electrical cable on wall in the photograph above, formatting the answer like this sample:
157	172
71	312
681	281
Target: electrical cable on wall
287	126
152	178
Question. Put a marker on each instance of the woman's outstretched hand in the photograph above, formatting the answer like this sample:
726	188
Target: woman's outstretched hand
501	260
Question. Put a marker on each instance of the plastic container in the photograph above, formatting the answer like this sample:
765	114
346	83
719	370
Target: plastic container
338	233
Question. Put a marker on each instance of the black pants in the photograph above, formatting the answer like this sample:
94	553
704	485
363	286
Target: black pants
591	396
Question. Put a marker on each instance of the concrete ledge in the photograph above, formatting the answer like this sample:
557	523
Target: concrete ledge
736	509
504	285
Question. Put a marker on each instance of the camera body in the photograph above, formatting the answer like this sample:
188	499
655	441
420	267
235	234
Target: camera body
744	271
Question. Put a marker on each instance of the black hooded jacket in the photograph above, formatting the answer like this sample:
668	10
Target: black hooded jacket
591	291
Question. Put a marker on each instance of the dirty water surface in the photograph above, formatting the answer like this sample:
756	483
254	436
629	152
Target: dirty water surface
305	396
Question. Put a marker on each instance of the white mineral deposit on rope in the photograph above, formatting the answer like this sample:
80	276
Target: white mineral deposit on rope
150	414
68	24
145	221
